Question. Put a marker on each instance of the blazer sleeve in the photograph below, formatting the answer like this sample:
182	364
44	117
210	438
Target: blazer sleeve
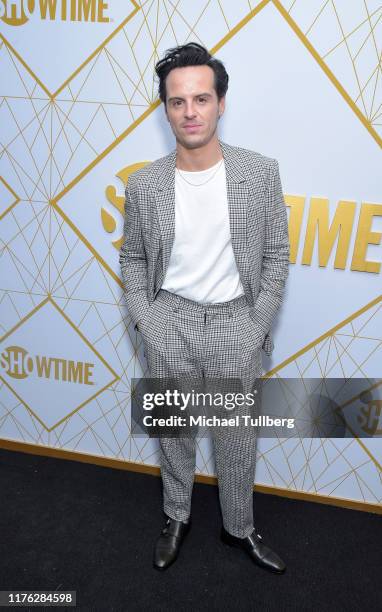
132	257
275	263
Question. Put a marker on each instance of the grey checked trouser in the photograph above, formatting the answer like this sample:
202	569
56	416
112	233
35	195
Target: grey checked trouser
190	339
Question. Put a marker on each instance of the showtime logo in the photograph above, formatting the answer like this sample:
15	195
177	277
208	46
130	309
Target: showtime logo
18	12
19	364
37	365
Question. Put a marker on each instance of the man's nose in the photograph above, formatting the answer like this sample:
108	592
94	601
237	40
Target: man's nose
189	110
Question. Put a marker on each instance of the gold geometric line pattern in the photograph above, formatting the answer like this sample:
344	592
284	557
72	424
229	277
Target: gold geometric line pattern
328	334
13	51
82	65
365	115
115	141
49	299
15	201
108	332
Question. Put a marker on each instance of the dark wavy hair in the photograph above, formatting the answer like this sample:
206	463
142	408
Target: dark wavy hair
191	54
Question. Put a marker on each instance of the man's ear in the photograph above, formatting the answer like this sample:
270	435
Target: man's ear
221	106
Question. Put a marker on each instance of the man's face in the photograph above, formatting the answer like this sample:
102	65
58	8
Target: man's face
192	106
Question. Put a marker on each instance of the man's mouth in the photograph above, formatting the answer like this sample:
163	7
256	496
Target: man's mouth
192	126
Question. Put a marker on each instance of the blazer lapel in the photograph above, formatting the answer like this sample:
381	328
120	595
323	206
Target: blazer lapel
237	195
165	203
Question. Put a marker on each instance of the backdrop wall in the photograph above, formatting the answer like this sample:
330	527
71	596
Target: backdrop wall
79	111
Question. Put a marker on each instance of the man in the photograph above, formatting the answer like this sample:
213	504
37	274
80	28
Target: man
204	262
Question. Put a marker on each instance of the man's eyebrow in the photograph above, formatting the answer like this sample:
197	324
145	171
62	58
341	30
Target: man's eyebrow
196	96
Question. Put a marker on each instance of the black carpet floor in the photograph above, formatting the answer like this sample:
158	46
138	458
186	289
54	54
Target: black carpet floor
72	526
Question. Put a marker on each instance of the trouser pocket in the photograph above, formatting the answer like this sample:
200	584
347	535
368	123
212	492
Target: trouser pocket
154	326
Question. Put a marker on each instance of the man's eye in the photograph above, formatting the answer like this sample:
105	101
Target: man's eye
202	99
177	102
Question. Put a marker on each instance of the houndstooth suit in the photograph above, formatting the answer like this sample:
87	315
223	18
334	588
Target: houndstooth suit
182	337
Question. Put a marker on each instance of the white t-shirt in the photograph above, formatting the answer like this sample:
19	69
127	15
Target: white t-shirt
202	265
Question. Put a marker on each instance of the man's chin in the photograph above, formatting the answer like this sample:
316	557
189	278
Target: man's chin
194	142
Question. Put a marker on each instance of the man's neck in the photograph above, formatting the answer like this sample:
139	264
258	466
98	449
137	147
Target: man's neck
201	158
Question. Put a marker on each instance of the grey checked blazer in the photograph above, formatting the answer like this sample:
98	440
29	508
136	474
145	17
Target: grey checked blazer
258	224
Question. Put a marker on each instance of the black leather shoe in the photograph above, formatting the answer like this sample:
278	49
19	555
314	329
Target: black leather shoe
259	552
168	544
